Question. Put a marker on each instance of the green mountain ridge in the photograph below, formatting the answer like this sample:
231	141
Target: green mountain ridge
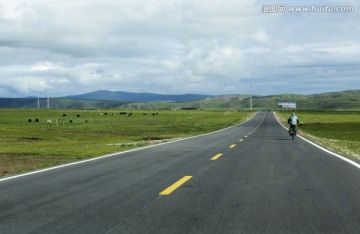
344	100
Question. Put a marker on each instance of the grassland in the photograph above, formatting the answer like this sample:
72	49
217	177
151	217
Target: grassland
336	130
83	134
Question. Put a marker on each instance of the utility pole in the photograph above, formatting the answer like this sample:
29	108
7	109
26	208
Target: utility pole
250	98
48	102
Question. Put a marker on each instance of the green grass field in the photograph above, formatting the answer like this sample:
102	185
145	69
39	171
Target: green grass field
26	146
336	130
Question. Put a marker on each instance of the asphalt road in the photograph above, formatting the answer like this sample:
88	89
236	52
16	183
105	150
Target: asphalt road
258	181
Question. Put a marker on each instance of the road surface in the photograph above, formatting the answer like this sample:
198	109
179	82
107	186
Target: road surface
250	178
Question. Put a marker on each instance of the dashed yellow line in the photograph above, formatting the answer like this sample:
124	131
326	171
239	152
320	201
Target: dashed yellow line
232	146
241	140
216	156
176	185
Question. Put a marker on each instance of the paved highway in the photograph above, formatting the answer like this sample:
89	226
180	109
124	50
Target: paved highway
250	178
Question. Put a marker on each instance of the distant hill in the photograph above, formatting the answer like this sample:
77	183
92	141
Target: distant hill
137	97
58	103
346	100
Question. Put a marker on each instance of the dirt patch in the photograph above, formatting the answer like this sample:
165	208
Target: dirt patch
11	163
152	138
30	139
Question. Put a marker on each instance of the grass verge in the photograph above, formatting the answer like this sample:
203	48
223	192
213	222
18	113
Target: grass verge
338	131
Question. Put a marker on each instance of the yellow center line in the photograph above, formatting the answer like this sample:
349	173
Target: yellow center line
176	185
216	157
232	146
241	140
246	136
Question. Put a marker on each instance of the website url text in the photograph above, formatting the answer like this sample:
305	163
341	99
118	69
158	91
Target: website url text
282	8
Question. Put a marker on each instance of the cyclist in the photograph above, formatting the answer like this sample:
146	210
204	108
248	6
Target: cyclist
293	121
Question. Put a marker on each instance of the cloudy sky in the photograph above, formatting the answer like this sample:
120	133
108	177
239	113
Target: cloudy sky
64	47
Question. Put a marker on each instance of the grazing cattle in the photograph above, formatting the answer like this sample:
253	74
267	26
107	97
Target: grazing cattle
37	120
70	121
78	116
48	121
64	115
29	120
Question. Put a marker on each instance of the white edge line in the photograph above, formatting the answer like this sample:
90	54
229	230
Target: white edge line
118	153
322	148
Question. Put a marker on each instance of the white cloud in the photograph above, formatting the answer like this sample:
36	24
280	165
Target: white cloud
347	48
43	66
261	36
173	46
